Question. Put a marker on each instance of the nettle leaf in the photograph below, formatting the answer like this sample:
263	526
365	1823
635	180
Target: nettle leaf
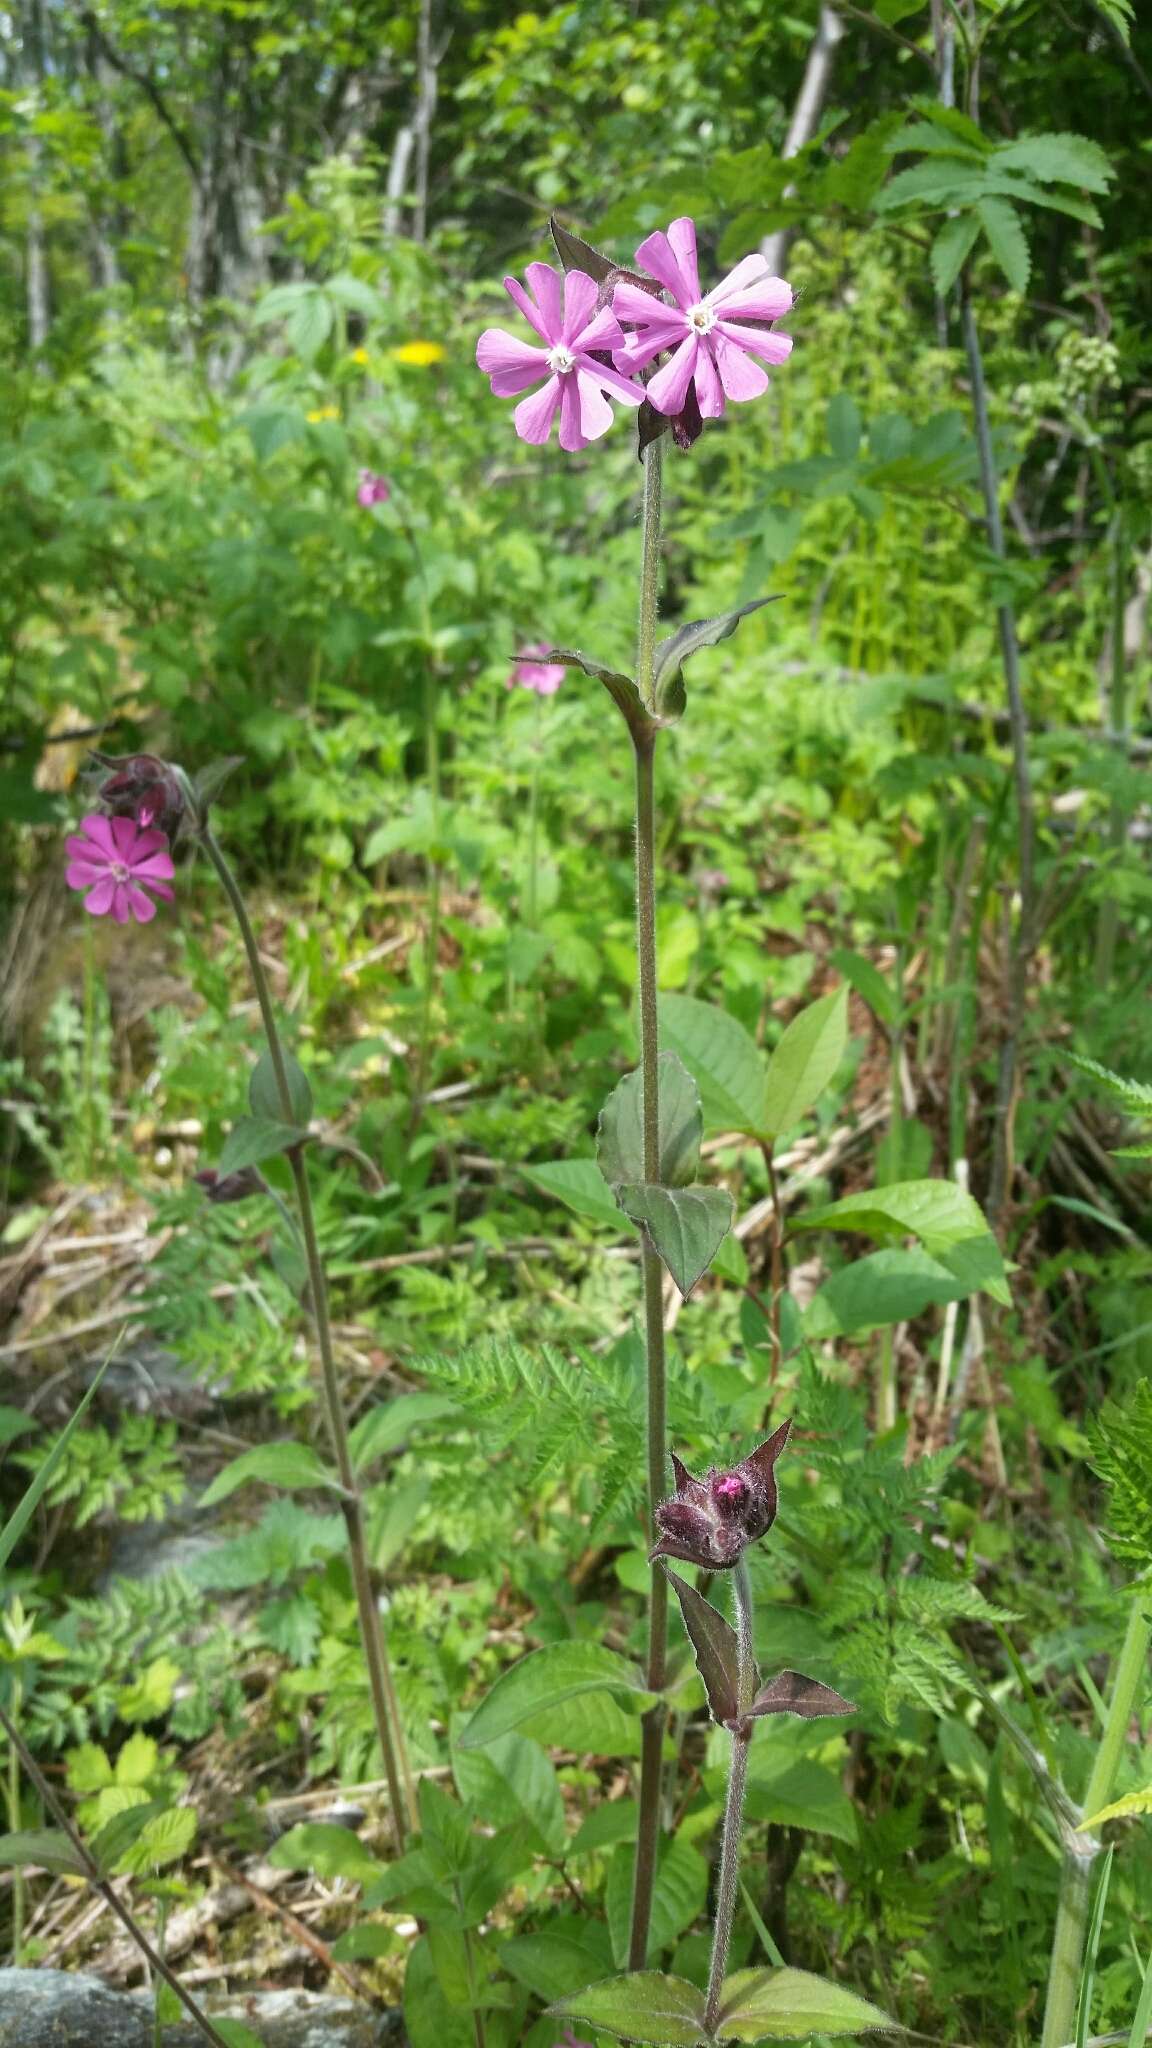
1007	240
687	1226
938	1212
542	1679
716	1648
789	2005
951	250
287	1465
255	1138
668	695
620	1132
1134	1095
723	1059
264	1093
46	1848
804	1061
644	2006
792	1693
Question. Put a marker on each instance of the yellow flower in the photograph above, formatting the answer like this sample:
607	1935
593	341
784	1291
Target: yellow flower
360	355
419	353
324	412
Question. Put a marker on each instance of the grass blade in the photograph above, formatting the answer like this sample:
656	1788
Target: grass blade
1088	1973
22	1514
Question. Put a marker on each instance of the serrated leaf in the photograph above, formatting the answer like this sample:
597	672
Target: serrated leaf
792	1693
264	1093
934	184
544	1678
951	250
716	1648
789	2005
255	1138
686	1225
164	1838
938	1212
804	1061
287	1465
620	1131
1007	240
310	324
1131	1804
723	1059
1058	159
49	1848
672	653
644	2006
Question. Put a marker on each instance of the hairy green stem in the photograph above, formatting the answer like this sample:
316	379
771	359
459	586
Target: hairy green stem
1109	916
108	1892
14	1826
401	1789
728	1882
652	1739
1081	1851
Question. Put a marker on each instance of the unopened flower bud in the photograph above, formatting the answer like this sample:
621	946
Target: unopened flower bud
144	788
711	1521
231	1187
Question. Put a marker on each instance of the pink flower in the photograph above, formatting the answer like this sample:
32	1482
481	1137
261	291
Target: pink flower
372	489
545	677
111	858
713	345
571	329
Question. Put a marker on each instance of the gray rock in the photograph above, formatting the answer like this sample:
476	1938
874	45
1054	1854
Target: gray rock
58	2009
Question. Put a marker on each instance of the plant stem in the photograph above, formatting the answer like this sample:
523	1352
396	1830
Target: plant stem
14	1826
1109	917
384	1703
1081	1851
107	1891
652	1740
776	1283
434	880
728	1882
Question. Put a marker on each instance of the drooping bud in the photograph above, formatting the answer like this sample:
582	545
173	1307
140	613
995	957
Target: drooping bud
231	1187
144	788
711	1521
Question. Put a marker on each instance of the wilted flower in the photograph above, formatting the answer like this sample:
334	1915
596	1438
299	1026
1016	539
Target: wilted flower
711	1521
713	345
372	489
112	858
144	788
563	312
545	677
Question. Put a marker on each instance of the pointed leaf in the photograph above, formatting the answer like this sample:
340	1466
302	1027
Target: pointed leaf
792	1693
645	2006
679	1896
667	686
579	1183
1058	160
542	1679
951	250
717	1649
788	2005
254	1138
686	1225
577	255
938	1212
264	1093
25	1508
1007	240
804	1062
287	1465
722	1058
620	687
620	1133
49	1848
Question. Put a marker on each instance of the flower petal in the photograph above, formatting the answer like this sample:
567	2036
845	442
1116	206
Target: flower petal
751	273
658	256
533	417
682	242
775	348
572	435
595	412
80	848
510	383
630	303
150	839
709	390
161	889
121	909
124	833
579	304
610	380
547	286
99	830
669	387
99	900
768	300
602	331
82	874
141	906
740	375
528	307
155	867
498	353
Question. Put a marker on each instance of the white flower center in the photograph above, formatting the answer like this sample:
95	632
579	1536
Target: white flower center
561	360
119	871
702	318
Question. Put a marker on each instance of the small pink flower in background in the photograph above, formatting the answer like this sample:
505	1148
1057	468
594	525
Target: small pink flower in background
117	862
712	343
545	677
564	314
372	489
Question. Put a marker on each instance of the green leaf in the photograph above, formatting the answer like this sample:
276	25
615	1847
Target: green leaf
164	1838
722	1058
254	1138
620	687
667	686
804	1062
686	1225
287	1465
579	1183
50	1848
934	184
1007	240
868	982
1058	160
561	1671
620	1132
886	1287
844	427
938	1212
512	1781
14	1423
25	1508
310	324
1120	1809
326	1849
364	1944
715	1647
951	250
549	1965
789	2005
264	1094
388	1427
791	1693
644	2006
804	1795
236	2034
678	1898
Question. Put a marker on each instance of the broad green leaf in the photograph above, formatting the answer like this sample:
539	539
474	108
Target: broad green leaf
844	427
579	1183
254	1138
977	1263
722	1058
867	980
620	1133
667	684
951	249
496	1864
886	1287
789	2005
549	1965
938	1212
804	1062
614	1821
560	1671
429	2020
365	1944
236	2034
1059	159
1120	1809
25	1508
592	1724
389	1426
49	1848
1007	240
328	1850
714	1646
310	323
805	1795
163	1839
679	1897
644	2006
264	1093
513	1780
686	1225
287	1465
790	1692
14	1423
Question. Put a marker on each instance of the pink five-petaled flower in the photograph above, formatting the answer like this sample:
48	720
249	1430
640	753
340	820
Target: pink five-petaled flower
564	314
711	1521
117	862
545	677
713	345
372	489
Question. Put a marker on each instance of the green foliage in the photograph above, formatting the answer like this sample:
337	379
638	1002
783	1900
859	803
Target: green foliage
1121	1449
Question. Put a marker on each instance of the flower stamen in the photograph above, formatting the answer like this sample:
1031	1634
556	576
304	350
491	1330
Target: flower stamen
561	360
702	318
